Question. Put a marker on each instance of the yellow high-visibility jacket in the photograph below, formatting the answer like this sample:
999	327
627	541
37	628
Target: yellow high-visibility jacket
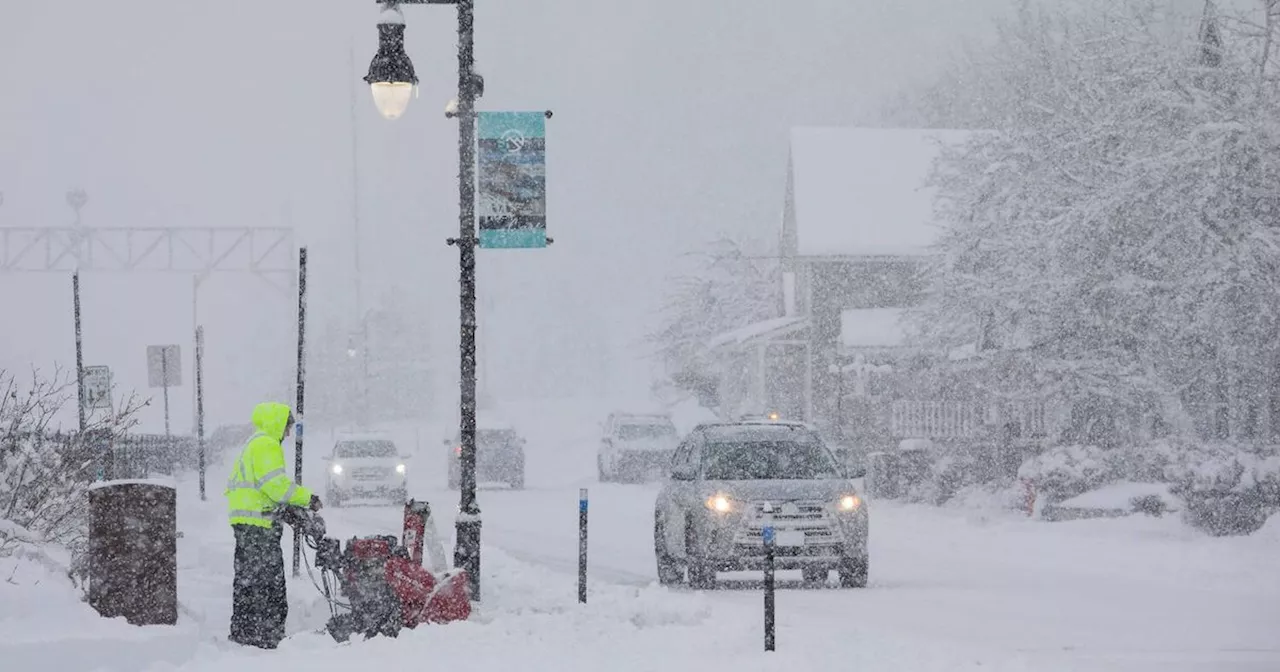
258	480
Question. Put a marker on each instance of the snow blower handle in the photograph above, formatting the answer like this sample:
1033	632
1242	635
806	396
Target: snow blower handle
305	520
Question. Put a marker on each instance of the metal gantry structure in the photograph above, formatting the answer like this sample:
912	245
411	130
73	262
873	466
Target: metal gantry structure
200	252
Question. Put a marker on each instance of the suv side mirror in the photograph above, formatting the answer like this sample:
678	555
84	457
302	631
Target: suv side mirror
446	442
855	472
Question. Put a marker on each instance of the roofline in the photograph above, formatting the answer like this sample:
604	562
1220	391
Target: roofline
845	258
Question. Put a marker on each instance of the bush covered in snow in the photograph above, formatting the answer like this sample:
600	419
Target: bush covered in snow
1227	489
45	474
1064	472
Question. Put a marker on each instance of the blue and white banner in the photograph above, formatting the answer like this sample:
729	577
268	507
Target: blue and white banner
511	207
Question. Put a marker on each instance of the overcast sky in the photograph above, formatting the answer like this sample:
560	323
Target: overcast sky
670	125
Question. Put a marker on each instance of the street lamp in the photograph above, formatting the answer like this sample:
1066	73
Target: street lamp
391	75
391	79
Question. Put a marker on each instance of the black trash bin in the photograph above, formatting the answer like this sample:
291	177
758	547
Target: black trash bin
133	551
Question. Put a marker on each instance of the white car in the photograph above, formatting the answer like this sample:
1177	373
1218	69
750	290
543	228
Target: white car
636	447
362	467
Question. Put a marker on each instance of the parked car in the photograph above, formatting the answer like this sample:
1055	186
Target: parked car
499	457
367	466
728	479
636	447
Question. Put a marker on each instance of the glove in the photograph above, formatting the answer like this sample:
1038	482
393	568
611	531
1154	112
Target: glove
315	503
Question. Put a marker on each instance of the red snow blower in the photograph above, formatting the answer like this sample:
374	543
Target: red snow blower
384	581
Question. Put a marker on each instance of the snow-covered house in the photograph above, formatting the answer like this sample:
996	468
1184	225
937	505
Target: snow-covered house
857	228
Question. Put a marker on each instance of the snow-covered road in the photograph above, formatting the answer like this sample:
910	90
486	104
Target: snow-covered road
1090	592
950	589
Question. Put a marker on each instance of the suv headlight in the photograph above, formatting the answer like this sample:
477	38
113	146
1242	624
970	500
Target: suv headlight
337	469
400	469
721	503
849	503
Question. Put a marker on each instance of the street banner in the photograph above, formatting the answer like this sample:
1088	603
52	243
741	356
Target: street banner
512	205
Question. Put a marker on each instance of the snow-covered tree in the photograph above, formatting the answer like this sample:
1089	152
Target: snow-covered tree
728	284
1114	242
45	474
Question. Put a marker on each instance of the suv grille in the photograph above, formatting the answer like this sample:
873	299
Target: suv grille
789	511
810	517
370	473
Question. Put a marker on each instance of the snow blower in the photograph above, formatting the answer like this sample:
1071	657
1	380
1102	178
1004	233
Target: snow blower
383	579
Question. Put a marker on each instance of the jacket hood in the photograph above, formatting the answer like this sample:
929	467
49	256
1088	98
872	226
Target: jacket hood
271	418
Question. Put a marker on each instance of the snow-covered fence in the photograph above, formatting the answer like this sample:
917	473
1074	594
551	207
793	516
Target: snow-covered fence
146	455
914	419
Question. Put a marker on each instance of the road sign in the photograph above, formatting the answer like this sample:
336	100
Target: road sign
97	387
164	366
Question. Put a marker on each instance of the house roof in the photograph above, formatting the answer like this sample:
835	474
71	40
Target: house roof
766	330
861	191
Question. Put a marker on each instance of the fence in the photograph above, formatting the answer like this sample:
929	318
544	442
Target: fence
910	419
146	455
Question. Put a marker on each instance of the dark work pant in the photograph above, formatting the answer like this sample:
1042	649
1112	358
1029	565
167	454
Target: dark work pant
258	602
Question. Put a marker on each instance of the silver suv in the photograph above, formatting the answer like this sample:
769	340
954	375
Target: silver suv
729	480
635	447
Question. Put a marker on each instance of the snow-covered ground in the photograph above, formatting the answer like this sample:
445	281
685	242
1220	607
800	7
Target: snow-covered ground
950	590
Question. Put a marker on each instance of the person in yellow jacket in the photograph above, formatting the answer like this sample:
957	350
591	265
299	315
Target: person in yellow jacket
258	486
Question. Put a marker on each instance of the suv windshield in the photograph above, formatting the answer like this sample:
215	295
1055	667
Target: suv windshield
639	432
365	449
495	438
750	458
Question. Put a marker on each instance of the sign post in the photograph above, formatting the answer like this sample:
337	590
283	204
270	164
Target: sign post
767	535
164	370
511	208
582	545
200	447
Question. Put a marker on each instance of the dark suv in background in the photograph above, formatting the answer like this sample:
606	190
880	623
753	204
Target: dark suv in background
499	457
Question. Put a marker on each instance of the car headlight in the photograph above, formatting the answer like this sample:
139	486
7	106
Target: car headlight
850	503
399	468
720	503
337	468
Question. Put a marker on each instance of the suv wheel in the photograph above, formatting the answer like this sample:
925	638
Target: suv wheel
853	572
601	476
332	498
701	576
668	567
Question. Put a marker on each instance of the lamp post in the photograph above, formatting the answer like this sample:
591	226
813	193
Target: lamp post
392	81
362	349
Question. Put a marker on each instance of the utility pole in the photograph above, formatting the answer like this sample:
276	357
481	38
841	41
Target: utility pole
467	552
363	413
77	199
302	383
80	391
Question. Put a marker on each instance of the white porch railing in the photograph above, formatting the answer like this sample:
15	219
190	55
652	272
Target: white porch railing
910	419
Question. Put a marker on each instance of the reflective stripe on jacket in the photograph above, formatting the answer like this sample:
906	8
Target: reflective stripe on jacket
258	481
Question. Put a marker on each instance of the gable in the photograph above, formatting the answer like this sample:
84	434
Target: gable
862	191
